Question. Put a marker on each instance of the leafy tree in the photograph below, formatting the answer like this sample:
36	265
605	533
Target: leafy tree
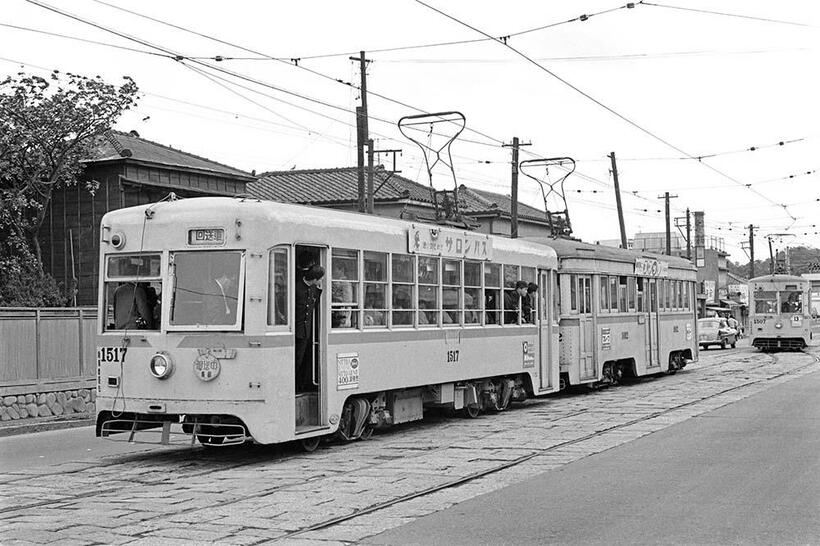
47	126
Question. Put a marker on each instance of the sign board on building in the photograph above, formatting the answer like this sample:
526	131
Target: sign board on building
700	257
649	267
709	291
449	243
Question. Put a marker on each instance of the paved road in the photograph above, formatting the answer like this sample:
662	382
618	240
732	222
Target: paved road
746	473
347	493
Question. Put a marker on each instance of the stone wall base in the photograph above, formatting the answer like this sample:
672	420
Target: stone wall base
47	404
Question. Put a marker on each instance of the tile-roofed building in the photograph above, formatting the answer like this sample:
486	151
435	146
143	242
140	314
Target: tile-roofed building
128	170
394	196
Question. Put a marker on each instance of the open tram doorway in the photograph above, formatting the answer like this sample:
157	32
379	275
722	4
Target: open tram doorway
586	328
653	326
310	334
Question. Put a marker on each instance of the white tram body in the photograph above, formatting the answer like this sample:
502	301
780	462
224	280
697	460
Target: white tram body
780	315
623	312
410	316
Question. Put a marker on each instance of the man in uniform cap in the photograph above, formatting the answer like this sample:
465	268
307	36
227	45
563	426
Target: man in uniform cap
307	301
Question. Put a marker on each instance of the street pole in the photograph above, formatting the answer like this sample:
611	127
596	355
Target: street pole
370	196
516	144
666	197
688	237
361	130
752	251
618	200
771	257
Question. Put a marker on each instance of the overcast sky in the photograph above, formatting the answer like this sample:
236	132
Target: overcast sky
652	84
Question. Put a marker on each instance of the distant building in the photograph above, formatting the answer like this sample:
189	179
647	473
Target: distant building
130	171
395	196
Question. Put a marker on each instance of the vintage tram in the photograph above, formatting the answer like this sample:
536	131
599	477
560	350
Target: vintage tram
198	311
622	313
780	317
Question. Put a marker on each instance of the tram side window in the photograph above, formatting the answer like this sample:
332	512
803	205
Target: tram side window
528	274
604	292
639	291
613	293
375	289
278	287
631	290
791	301
344	289
573	293
450	288
622	294
585	295
472	292
492	293
675	294
685	294
404	290
766	302
512	300
428	291
668	290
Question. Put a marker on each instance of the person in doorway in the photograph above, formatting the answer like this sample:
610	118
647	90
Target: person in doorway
512	302
308	293
527	302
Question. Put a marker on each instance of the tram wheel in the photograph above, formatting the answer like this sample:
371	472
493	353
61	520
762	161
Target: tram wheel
309	445
472	411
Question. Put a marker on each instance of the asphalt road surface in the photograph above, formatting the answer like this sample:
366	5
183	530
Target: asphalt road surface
746	473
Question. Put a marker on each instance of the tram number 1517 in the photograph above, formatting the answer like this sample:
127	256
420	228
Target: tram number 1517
452	356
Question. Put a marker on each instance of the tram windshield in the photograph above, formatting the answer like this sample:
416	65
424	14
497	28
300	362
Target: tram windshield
133	292
766	302
207	289
792	301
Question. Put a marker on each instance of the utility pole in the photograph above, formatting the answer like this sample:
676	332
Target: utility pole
516	144
369	176
618	200
688	237
666	197
752	251
362	134
771	257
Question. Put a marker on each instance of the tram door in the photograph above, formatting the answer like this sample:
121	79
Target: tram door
310	339
586	328
548	355
653	326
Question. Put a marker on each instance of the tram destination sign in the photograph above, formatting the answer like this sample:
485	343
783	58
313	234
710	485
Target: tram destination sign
648	267
449	243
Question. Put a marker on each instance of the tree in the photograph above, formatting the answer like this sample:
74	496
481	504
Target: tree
47	126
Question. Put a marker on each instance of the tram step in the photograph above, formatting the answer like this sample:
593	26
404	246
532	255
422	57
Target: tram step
307	409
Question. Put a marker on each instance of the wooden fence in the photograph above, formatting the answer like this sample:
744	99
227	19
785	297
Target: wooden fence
42	347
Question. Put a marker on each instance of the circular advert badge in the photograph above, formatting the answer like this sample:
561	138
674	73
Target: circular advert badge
207	367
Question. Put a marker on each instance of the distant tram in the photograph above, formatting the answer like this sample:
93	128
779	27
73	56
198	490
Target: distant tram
780	317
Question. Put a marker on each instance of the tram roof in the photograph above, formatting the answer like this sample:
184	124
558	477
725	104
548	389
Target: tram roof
335	221
568	248
779	277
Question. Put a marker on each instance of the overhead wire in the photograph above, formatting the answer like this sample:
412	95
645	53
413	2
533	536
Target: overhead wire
727	14
594	100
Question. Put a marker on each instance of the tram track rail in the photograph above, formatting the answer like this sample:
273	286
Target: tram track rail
261	458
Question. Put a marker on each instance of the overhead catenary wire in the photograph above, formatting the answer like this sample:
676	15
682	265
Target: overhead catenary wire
596	101
727	14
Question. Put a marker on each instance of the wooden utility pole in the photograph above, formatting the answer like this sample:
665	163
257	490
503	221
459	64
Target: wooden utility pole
666	197
688	237
369	176
618	200
516	144
362	134
751	251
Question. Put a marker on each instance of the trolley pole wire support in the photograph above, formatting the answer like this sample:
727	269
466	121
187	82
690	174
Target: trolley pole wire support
445	202
558	219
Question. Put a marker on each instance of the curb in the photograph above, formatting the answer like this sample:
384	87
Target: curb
26	426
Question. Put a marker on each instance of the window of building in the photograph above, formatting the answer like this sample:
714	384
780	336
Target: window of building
492	293
428	278
375	289
278	286
344	288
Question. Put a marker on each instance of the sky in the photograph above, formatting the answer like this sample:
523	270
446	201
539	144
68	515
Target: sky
693	97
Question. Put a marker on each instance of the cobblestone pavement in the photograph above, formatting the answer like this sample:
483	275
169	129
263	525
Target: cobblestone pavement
343	493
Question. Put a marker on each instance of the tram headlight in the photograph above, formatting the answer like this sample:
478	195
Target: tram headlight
161	366
778	325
